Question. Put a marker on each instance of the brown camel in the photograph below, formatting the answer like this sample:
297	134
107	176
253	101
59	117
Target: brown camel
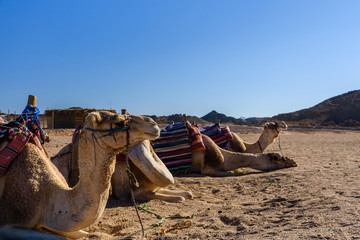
268	136
213	161
151	180
34	194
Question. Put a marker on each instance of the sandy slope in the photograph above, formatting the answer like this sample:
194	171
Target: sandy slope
319	199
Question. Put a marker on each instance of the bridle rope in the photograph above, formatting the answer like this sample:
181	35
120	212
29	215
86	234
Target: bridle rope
132	181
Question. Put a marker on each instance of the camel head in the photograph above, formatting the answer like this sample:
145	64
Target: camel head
114	131
270	134
277	161
272	129
275	127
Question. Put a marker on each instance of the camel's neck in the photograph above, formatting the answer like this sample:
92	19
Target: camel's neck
261	144
83	205
234	160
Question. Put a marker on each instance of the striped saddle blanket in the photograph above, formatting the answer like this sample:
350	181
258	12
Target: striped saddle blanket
14	136
12	143
220	135
177	141
175	144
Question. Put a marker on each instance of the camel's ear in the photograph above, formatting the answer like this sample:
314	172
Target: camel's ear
266	125
93	120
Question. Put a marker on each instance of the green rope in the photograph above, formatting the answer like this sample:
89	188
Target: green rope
280	147
162	219
272	181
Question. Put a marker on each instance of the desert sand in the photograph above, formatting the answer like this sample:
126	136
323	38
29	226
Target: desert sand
318	199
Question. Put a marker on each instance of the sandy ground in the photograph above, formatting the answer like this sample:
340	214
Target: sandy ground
319	199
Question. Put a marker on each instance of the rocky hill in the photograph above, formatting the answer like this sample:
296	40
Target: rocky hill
342	110
214	116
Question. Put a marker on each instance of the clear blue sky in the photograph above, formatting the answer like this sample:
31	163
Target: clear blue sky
251	58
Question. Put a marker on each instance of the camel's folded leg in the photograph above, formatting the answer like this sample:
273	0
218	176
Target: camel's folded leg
185	194
215	173
148	195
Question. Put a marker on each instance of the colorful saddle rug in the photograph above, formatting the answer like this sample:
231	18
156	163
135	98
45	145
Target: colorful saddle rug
16	134
220	135
175	144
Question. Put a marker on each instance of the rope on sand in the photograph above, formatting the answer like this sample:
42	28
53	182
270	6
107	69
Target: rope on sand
181	225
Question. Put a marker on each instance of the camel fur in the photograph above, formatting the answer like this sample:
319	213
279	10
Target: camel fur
150	186
34	194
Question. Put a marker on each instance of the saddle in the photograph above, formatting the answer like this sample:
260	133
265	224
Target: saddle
220	135
174	146
178	140
16	134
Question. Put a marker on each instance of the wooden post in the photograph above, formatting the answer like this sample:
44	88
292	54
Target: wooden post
123	111
218	121
32	100
53	119
184	118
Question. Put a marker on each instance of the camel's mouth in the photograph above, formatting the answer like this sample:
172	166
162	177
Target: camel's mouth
152	133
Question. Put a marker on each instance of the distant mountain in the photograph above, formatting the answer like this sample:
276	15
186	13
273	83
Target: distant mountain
343	110
214	116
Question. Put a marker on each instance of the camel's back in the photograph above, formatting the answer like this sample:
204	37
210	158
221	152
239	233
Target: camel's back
29	181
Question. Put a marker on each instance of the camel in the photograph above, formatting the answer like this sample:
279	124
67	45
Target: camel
268	136
34	194
218	162
213	161
151	180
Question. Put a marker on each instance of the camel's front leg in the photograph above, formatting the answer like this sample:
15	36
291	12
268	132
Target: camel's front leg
185	194
216	173
149	195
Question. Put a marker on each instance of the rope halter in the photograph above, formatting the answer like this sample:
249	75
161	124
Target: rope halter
110	131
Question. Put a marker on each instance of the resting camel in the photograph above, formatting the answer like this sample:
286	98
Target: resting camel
213	161
218	162
34	194
268	136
